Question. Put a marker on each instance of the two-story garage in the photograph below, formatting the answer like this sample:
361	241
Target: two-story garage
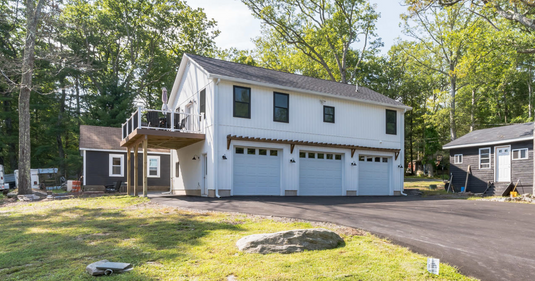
274	133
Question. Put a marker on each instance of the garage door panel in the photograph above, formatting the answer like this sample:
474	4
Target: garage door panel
256	174
374	177
319	177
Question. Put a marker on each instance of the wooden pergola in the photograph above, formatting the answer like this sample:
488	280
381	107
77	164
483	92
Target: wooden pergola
152	138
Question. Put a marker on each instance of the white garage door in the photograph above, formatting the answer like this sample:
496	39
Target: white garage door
374	175
320	174
256	171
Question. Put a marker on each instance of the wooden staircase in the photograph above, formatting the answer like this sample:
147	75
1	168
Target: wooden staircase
497	189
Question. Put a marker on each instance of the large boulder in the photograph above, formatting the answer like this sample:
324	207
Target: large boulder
291	241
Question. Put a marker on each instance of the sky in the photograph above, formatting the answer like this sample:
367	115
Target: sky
238	26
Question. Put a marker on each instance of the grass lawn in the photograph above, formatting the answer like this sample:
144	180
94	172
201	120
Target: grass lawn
424	187
56	240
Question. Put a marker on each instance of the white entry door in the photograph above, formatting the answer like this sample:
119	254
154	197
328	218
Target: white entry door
320	174
503	163
256	171
374	175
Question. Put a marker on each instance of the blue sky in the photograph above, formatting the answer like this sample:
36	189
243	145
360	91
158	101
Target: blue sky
238	26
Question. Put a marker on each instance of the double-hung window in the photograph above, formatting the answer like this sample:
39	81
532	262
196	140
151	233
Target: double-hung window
484	158
154	166
242	102
391	122
328	114
521	153
457	159
281	107
116	164
202	101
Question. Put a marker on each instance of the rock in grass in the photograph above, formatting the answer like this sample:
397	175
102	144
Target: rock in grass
93	270
286	242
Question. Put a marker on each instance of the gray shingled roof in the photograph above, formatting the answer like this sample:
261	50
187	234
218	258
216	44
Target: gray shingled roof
296	81
504	133
108	138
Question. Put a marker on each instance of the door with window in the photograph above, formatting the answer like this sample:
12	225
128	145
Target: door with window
503	163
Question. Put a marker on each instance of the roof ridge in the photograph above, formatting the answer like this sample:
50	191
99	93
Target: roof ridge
301	75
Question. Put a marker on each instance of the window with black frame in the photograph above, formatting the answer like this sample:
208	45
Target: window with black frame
391	122
328	114
242	102
281	107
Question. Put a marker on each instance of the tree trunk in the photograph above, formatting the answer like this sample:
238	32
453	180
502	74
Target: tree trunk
32	16
505	109
59	129
472	110
453	129
530	91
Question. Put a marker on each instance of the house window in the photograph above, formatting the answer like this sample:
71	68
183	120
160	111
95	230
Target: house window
521	153
262	152
361	158
154	166
239	150
330	156
273	153
328	114
391	122
281	107
116	165
242	102
302	155
484	158
321	156
177	169
457	159
338	157
202	101
251	151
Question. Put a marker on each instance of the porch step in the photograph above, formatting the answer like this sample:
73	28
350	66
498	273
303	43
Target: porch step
497	189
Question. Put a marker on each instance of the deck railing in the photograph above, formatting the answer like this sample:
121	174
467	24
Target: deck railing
144	118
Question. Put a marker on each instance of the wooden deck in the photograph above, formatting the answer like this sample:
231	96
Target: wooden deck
161	139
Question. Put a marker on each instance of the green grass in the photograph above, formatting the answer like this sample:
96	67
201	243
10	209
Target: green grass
424	187
58	191
56	240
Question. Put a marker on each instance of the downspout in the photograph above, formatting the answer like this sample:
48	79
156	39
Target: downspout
216	136
402	156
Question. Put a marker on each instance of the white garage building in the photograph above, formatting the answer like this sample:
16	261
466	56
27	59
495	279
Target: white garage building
246	130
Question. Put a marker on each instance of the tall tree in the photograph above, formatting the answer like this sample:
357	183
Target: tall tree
323	31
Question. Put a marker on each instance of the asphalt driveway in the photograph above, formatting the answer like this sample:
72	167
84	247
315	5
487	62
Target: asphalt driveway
486	240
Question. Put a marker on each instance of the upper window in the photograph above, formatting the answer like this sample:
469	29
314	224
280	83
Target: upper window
154	166
281	107
202	101
242	102
458	159
116	165
484	158
521	153
328	114
391	122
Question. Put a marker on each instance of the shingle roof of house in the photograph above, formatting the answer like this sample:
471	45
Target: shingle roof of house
106	138
494	135
290	80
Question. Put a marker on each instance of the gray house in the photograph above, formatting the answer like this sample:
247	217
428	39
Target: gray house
105	160
497	157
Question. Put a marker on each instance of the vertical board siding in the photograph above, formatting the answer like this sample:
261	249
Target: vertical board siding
477	183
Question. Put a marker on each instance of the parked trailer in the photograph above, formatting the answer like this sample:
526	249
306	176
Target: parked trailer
4	188
42	178
34	178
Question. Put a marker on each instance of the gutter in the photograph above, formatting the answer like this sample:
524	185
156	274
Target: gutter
245	81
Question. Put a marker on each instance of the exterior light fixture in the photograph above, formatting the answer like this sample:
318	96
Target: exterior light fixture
224	157
353	163
195	157
292	160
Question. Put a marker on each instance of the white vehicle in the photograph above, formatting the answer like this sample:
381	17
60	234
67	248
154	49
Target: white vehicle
34	178
3	187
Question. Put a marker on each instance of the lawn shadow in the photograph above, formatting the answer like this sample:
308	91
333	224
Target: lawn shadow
60	242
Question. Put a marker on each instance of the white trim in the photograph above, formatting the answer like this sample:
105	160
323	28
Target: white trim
284	88
490	164
85	166
520	158
122	151
110	165
158	167
455	159
488	143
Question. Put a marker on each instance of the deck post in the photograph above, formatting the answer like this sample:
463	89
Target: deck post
128	171
136	147
145	167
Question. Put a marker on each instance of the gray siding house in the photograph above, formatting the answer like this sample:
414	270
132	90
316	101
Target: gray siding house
104	160
497	157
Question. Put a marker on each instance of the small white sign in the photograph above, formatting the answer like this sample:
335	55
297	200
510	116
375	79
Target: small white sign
433	265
